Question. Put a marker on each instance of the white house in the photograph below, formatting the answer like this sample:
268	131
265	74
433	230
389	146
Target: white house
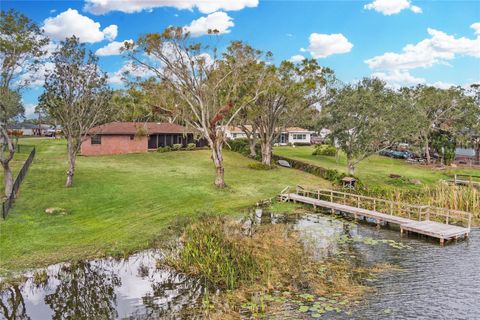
288	136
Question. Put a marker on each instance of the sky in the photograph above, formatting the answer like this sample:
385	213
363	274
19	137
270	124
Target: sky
404	42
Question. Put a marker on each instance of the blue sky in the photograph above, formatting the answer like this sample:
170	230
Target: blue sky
404	42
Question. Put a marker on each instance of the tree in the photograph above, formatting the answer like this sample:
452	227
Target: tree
289	92
145	101
211	90
21	46
435	109
472	122
76	95
365	118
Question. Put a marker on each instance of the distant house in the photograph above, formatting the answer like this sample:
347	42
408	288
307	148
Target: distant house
30	129
287	136
135	137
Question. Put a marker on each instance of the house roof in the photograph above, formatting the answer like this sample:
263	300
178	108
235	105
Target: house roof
296	129
129	128
233	129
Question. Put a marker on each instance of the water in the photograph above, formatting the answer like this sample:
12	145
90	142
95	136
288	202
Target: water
130	288
431	282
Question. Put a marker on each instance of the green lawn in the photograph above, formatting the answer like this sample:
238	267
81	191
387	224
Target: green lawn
375	170
121	203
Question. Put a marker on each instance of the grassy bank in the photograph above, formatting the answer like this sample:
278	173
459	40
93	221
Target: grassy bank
121	203
375	171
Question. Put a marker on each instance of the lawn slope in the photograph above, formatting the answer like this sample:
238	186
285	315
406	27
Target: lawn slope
120	203
375	170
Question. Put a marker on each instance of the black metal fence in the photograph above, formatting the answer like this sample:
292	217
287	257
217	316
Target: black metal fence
8	203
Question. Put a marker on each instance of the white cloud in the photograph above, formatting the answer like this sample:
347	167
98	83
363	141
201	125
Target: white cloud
296	58
389	7
290	35
204	6
29	110
70	22
36	78
324	45
397	77
442	85
112	49
217	20
111	32
476	26
439	48
129	71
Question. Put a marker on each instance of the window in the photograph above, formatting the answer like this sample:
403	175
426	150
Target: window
234	135
299	136
96	140
132	137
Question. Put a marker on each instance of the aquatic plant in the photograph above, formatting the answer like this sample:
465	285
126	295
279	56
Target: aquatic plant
249	266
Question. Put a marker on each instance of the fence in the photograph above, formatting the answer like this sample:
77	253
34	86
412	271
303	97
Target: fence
7	204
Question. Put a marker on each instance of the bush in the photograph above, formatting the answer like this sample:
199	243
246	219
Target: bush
260	166
177	146
327	174
239	145
324	150
191	146
164	149
301	144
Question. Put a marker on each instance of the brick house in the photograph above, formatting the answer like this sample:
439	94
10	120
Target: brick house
135	137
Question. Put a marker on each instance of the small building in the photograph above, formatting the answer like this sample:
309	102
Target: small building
287	136
135	137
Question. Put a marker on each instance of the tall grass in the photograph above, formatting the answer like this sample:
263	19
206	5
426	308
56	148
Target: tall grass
455	197
463	198
209	250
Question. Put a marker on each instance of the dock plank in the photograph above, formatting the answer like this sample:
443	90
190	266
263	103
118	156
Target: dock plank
426	227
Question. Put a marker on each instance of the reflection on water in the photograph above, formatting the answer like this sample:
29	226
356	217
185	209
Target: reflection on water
433	282
104	289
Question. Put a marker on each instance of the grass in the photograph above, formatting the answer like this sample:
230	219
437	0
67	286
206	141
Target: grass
271	258
375	170
15	164
120	204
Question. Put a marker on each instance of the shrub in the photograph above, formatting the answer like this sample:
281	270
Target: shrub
260	166
239	145
328	174
164	149
301	144
177	146
324	150
191	146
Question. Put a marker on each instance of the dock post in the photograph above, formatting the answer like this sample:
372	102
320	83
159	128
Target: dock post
442	241
401	232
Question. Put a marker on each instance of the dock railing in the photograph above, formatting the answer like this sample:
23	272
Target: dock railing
466	179
390	207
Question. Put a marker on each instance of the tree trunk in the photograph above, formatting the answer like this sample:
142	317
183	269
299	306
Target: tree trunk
252	144
350	167
266	153
7	178
217	158
427	151
72	154
477	153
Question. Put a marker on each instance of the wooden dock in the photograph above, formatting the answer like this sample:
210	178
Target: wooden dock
466	180
440	223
